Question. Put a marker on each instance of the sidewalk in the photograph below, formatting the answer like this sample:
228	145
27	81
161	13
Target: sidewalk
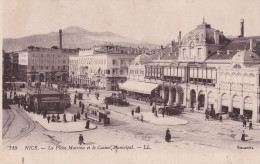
61	126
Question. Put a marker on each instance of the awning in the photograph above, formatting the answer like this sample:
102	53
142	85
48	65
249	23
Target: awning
140	87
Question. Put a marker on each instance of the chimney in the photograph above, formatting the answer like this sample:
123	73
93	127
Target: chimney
179	36
60	32
241	28
216	36
173	43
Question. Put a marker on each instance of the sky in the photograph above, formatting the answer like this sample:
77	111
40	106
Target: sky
155	21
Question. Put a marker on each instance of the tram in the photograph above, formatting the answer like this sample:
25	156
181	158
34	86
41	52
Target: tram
98	114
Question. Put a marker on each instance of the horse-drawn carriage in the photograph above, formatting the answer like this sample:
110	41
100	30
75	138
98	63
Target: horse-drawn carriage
113	100
80	95
172	110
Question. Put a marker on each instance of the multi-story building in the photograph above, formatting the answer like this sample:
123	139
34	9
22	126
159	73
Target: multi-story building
103	66
79	66
137	69
48	65
209	71
22	65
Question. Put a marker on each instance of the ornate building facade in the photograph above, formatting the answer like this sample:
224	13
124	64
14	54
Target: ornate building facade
207	71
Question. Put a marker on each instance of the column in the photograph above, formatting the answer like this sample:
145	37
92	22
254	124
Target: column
196	100
162	92
177	96
185	97
219	103
206	102
241	104
170	97
230	107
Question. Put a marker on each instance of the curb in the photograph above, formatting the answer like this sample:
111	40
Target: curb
56	130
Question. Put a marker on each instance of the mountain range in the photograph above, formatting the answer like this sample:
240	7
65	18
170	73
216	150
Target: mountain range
72	37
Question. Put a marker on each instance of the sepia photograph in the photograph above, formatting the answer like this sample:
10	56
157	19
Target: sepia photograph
130	81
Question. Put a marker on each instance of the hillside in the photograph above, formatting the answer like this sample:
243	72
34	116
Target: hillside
73	37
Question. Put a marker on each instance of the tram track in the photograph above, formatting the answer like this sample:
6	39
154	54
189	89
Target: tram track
8	123
30	127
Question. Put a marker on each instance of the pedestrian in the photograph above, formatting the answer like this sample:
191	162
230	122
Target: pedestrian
243	137
82	109
153	109
72	118
168	135
81	139
244	123
58	117
250	125
75	118
220	118
142	117
192	109
86	115
87	125
48	118
163	110
132	112
106	105
79	103
78	115
75	101
64	117
155	113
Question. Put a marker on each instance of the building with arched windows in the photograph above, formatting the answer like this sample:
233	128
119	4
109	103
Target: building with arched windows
206	70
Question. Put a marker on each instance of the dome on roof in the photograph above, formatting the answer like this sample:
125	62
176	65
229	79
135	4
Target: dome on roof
204	34
142	59
245	56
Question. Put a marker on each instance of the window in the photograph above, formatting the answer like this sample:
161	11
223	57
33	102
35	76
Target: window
58	67
121	71
41	68
47	67
121	62
32	67
183	53
64	61
199	53
52	68
64	67
114	62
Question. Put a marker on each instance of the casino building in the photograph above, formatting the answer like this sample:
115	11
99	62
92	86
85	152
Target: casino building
206	70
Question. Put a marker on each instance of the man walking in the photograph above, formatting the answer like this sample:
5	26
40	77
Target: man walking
250	125
142	118
220	118
48	118
132	112
244	123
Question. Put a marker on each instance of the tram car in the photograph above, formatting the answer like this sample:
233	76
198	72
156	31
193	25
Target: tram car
98	114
